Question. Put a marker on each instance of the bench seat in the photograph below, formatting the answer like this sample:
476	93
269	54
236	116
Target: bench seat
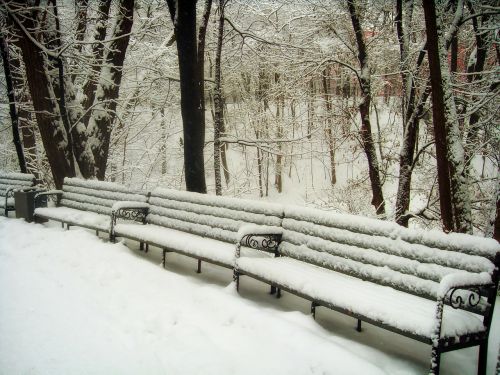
75	217
410	314
89	203
191	245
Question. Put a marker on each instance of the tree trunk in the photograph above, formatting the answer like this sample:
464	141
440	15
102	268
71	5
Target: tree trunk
454	197
328	127
48	117
191	107
218	104
364	111
104	112
4	49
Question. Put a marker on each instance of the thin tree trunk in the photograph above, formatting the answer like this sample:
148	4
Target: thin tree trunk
4	48
218	104
364	111
328	128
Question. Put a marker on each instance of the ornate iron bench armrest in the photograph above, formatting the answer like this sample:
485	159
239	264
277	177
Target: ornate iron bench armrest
43	194
260	237
462	292
136	211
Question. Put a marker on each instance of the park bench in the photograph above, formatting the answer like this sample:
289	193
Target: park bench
9	183
437	288
89	204
199	226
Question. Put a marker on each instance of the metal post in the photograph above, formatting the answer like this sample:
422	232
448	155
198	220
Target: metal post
199	266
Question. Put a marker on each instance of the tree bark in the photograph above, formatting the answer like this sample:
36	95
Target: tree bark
364	111
218	104
454	197
4	49
328	127
191	107
48	117
104	112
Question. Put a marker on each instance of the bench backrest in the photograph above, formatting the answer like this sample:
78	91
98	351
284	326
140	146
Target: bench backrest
383	252
14	180
208	215
96	196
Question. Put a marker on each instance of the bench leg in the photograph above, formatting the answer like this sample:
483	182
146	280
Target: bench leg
62	224
483	357
147	248
163	259
278	293
313	309
141	246
358	326
273	290
199	267
236	279
435	361
97	233
67	226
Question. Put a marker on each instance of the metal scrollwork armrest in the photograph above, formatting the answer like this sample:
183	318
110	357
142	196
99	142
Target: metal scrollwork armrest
133	212
470	296
261	241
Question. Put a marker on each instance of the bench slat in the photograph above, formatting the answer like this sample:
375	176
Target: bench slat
306	233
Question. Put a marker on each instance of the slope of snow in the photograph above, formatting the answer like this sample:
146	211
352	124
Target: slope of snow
71	303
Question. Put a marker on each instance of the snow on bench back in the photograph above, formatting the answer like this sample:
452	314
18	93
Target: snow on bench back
209	216
411	260
96	196
15	180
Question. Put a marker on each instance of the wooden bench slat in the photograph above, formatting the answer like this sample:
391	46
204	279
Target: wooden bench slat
306	233
221	212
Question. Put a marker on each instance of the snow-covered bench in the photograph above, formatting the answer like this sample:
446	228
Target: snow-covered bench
10	182
201	226
436	288
90	203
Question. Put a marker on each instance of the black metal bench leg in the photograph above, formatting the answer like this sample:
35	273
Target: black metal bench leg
147	248
273	290
97	233
313	309
163	259
62	224
358	326
278	293
483	357
199	267
236	279
435	361
141	246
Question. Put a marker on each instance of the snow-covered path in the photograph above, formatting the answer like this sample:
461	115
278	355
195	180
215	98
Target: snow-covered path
71	303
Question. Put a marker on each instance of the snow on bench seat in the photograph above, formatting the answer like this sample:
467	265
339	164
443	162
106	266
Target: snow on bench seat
89	203
212	250
403	311
73	216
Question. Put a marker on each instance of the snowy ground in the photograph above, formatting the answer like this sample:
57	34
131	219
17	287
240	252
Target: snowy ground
71	303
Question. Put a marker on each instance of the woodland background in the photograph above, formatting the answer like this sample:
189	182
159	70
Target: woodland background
385	108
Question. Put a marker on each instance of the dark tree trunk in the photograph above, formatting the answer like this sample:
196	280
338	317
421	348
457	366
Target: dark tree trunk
218	103
364	111
27	127
104	114
90	86
48	117
454	199
191	108
4	48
